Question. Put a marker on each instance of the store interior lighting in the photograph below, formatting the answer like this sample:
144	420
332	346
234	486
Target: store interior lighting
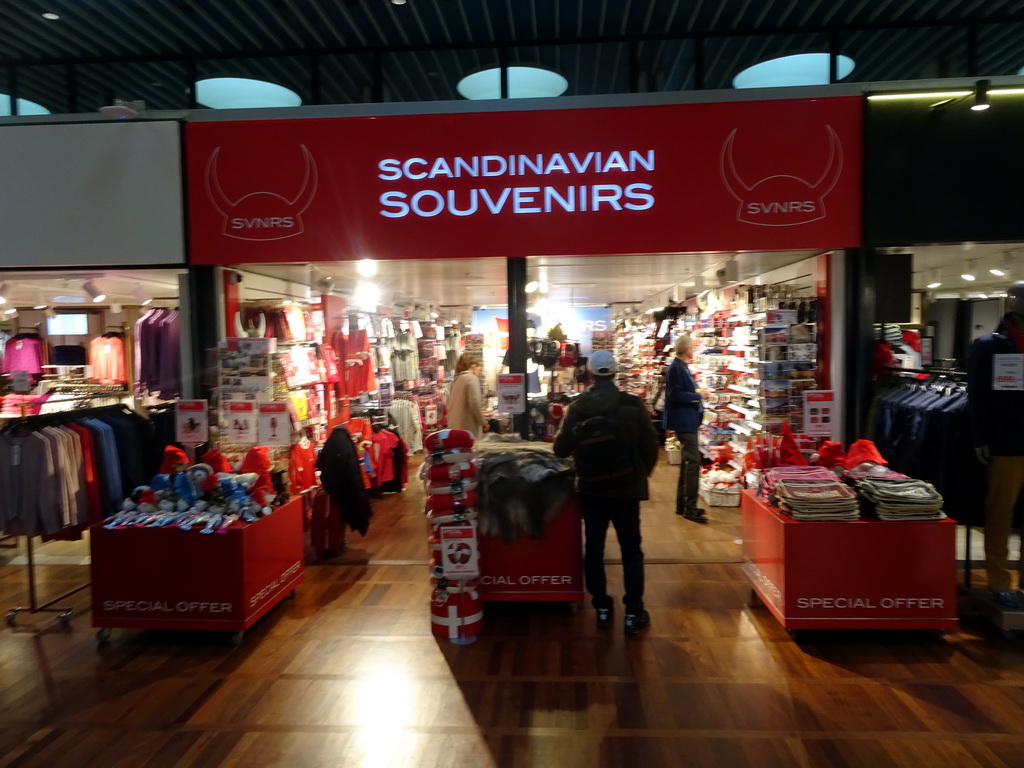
980	96
115	309
936	280
40	301
5	288
90	287
243	93
524	82
969	274
48	312
532	286
25	107
788	71
11	313
141	296
366	267
398	2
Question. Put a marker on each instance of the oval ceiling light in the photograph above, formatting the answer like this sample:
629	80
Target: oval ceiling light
787	71
25	107
523	83
366	267
50	16
243	93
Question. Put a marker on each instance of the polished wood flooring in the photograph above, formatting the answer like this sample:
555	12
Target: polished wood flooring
349	674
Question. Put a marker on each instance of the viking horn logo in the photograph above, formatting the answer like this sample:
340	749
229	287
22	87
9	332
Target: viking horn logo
262	215
782	200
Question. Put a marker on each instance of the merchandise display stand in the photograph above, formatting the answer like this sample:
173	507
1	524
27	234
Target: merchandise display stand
167	578
541	570
863	574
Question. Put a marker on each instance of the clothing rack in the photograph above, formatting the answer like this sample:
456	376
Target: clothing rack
949	372
63	612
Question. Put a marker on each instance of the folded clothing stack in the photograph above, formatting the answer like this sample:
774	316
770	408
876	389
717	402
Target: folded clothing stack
772	476
819	496
898	497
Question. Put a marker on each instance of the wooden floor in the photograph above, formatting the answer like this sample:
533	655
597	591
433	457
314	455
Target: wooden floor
348	674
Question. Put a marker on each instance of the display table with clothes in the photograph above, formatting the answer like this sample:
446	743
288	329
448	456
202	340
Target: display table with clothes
531	546
850	574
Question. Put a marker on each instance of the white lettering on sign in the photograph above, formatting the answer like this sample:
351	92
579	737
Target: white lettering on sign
264	593
887	603
517	200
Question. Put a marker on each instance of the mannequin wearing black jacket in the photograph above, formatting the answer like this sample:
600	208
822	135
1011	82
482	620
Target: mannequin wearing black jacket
340	476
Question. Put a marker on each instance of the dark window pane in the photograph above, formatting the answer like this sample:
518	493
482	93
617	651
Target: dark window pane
431	75
600	68
666	65
45	86
1000	49
907	54
346	79
161	84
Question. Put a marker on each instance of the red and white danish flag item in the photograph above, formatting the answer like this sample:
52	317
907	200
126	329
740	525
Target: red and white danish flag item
449	472
453	456
442	503
457	615
446	439
459	515
459	489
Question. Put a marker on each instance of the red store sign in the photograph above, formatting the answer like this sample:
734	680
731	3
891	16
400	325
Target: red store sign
761	175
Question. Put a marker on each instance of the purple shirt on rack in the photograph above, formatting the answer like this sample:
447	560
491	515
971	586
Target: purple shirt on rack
24	354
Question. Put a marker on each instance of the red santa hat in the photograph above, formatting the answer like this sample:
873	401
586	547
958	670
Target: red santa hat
446	439
257	461
217	461
789	453
831	455
862	451
173	455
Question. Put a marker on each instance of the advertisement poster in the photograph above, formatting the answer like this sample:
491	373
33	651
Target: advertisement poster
819	412
512	393
192	422
459	551
274	424
241	422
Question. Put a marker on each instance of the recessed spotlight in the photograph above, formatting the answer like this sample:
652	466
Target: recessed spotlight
12	312
523	83
5	288
366	267
934	285
532	286
243	93
798	69
94	291
141	296
997	272
51	16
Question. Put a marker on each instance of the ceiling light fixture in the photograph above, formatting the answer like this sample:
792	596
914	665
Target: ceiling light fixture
936	278
124	110
12	312
997	272
49	313
524	82
93	290
980	96
243	93
5	288
398	2
141	296
969	274
787	71
531	286
50	16
366	267
115	308
25	107
40	301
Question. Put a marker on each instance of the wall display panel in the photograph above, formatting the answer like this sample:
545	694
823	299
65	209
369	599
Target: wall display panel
724	58
944	173
906	54
91	195
161	84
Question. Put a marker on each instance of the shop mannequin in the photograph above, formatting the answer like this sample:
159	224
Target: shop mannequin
996	397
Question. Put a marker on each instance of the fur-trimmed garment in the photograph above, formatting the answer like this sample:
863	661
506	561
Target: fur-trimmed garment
522	486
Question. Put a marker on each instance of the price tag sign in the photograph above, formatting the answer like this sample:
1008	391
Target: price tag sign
1008	372
192	422
459	552
819	412
20	382
512	392
241	422
275	427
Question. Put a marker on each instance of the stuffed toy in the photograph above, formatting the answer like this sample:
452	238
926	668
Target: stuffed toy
174	460
218	462
257	461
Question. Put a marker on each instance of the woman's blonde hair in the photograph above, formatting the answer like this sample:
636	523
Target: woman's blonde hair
466	361
683	343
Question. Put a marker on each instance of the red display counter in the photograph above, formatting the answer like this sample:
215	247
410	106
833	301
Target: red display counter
548	569
167	578
864	574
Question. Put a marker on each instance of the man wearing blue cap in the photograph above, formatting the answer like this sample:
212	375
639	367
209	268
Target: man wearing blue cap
615	448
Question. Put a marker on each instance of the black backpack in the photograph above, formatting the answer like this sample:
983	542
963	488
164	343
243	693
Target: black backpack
603	456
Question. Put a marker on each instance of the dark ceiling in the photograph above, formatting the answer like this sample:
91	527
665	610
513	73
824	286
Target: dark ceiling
352	51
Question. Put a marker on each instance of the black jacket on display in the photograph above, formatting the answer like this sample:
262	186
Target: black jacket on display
340	476
997	416
636	426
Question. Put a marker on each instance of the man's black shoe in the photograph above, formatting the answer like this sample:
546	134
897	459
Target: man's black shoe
604	618
634	622
697	516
